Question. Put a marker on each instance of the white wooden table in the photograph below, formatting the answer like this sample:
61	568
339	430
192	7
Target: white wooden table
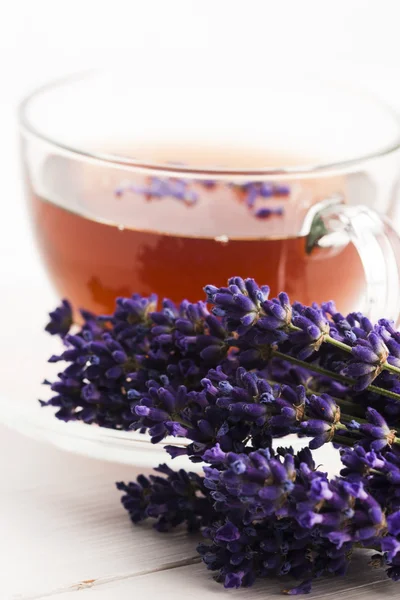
63	531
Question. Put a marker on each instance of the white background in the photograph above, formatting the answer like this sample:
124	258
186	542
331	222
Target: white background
42	39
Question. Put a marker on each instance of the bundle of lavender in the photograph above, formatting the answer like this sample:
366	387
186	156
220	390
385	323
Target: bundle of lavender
229	381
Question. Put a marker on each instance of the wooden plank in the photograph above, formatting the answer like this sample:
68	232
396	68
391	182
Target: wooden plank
62	523
194	582
63	531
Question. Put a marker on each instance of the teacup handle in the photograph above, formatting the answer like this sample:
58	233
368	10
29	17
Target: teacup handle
376	241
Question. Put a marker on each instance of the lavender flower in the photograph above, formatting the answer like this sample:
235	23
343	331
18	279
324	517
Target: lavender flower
114	359
266	213
239	303
226	383
370	356
285	513
182	190
264	550
60	320
313	328
324	419
274	514
158	187
376	432
358	461
253	485
177	498
264	191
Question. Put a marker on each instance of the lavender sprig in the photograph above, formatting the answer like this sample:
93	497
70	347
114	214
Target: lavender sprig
229	382
60	320
301	331
275	514
146	369
177	498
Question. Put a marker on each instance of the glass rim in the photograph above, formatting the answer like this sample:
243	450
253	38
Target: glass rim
166	169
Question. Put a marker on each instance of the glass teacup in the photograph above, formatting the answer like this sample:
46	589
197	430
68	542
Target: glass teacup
165	187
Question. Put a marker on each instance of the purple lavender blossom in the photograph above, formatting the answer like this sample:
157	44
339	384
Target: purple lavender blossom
114	359
60	320
376	432
178	370
324	416
176	498
266	213
370	356
278	314
158	187
239	303
251	485
313	329
181	189
254	192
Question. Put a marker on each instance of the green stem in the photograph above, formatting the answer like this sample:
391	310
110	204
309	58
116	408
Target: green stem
349	408
312	367
331	375
346	417
341	345
346	348
383	392
343	440
391	368
341	426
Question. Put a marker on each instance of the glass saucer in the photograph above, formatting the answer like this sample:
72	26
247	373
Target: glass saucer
25	349
97	442
130	448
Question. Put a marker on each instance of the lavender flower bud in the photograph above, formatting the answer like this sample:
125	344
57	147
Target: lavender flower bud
60	320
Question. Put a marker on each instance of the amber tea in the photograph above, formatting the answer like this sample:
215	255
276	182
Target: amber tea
172	237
